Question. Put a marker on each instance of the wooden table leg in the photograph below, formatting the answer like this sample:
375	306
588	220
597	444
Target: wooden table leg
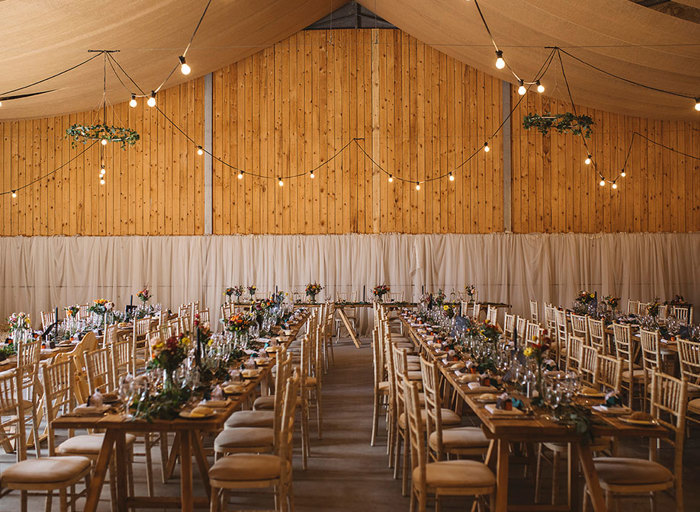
172	459
201	459
586	457
349	328
186	497
121	476
502	476
100	471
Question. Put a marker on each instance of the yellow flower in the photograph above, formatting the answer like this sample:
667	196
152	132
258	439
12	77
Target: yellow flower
527	352
446	307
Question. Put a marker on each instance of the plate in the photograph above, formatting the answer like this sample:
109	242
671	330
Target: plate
188	415
235	389
249	373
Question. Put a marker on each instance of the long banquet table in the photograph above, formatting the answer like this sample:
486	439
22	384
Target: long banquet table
187	443
534	429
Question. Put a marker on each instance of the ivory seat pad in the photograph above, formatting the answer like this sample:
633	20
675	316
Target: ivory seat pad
310	381
413	367
413	358
462	437
415	375
383	385
246	467
242	437
694	405
456	473
637	374
251	419
87	444
629	471
449	418
44	470
264	403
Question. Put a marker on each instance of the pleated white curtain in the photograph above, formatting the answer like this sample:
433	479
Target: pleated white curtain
40	273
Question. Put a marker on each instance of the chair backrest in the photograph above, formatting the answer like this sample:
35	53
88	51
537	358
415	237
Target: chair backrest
12	424
98	368
663	312
533	332
284	373
226	309
669	402
492	315
596	335
689	356
400	372
550	320
476	310
632	307
141	328
651	350
110	334
623	345
377	359
579	326
534	315
415	430
508	325
83	312
587	369
562	325
682	313
59	396
47	318
120	354
432	402
643	308
204	316
608	373
574	346
521	324
285	431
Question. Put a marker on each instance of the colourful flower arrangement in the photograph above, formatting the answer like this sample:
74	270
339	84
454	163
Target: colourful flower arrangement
235	290
380	290
313	289
169	354
585	297
440	297
470	289
490	331
449	311
653	308
101	306
612	302
72	311
19	322
144	295
678	300
238	323
251	290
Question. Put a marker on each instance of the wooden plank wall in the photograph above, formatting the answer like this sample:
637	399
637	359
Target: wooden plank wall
293	106
153	188
554	191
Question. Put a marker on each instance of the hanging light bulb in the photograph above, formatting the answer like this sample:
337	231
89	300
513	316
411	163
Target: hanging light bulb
102	181
587	161
391	179
200	150
312	175
185	69
452	178
103	142
521	89
240	175
152	99
614	185
602	182
697	104
486	147
280	182
103	171
623	173
417	185
540	87
14	193
132	101
500	63
0	103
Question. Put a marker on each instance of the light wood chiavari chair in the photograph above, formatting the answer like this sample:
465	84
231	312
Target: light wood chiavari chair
579	327
534	315
596	335
574	352
633	376
587	368
562	335
632	307
47	318
508	325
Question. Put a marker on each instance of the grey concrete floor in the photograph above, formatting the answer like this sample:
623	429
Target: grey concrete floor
346	474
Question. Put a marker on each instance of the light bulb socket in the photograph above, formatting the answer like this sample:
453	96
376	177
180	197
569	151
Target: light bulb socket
280	182
240	175
182	59
623	173
14	193
391	178
132	102
417	185
697	104
452	178
486	147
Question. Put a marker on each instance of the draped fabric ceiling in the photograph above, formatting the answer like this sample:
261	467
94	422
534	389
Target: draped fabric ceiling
43	37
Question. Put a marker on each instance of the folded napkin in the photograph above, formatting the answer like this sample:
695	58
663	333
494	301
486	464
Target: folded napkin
614	411
90	410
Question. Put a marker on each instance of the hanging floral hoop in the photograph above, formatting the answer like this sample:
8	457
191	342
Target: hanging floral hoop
562	123
99	132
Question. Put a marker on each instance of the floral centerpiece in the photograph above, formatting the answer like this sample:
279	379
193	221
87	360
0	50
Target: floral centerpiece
251	290
583	302
169	355
238	323
101	306
313	289
72	311
144	296
234	290
19	323
449	311
653	308
440	298
611	302
470	290
380	290
7	350
677	300
537	352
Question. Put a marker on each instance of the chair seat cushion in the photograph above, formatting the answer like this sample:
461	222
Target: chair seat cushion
627	471
310	381
383	385
456	473
251	419
638	375
462	437
264	403
449	418
413	359
87	444
44	470
245	437
694	406
415	375
413	367
244	467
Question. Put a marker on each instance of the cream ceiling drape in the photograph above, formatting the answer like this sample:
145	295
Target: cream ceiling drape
39	273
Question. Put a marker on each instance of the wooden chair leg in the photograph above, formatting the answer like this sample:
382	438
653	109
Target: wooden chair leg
375	417
555	476
63	496
23	501
404	469
49	498
538	469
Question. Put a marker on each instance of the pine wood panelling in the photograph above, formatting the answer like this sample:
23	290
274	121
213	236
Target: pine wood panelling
292	107
554	191
153	188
